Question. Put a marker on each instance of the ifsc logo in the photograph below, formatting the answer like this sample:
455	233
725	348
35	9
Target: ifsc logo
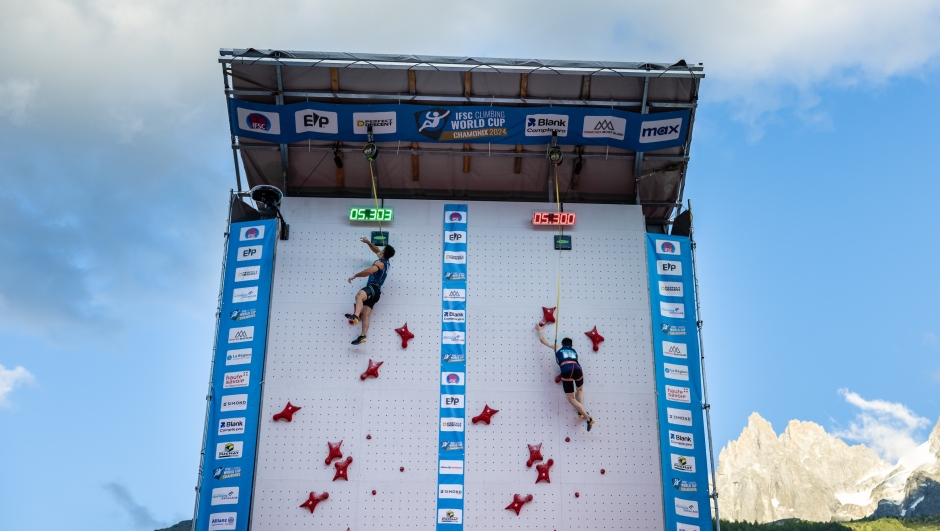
455	216
431	122
452	378
259	121
670	247
251	233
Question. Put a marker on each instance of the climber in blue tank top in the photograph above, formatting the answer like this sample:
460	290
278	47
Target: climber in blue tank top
572	377
369	295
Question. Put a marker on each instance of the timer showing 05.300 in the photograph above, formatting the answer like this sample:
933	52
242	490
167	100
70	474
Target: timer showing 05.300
370	214
553	218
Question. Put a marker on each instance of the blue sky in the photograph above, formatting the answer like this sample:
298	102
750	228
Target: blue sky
811	179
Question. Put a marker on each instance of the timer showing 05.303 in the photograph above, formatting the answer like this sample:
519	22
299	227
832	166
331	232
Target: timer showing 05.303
553	218
370	214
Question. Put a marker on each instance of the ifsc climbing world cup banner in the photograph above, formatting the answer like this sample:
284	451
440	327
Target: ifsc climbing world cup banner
678	383
453	417
235	398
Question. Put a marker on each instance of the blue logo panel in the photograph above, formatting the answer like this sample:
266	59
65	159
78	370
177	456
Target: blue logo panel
235	404
453	417
678	384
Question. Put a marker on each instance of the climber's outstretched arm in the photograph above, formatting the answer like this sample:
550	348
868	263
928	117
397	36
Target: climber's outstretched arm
544	341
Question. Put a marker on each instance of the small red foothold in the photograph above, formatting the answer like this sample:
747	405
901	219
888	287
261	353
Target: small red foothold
341	468
335	452
372	371
535	454
543	471
518	501
287	413
485	416
373	493
405	335
603	471
567	439
595	338
577	494
558	379
548	316
401	469
313	500
368	436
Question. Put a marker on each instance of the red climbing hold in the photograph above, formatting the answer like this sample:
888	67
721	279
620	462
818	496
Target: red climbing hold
372	371
341	468
558	379
401	469
288	413
595	337
313	500
535	454
368	436
405	335
603	471
577	494
485	416
335	452
548	316
543	471
373	493
567	439
518	501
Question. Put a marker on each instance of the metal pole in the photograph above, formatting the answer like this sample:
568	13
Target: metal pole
215	341
638	161
238	176
706	406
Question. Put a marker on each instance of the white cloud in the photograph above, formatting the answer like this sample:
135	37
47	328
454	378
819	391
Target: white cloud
10	379
17	97
888	428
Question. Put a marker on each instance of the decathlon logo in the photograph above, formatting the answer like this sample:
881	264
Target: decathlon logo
676	372
222	521
454	316
236	379
455	257
675	310
660	130
681	417
431	122
228	450
451	467
604	127
669	267
452	378
449	516
546	124
383	123
225	496
455	236
455	216
252	252
670	289
455	295
668	247
232	426
241	334
251	233
675	350
234	403
451	424
268	123
452	401
452	492
687	508
679	439
315	121
678	394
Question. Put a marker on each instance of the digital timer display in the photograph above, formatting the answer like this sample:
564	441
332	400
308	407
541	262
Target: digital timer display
553	218
370	214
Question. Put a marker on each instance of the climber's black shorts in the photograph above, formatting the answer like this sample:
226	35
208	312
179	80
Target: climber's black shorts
571	375
373	293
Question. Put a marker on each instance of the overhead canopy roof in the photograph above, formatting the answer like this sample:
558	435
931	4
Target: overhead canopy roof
478	170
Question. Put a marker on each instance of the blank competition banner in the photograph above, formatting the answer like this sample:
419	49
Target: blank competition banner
235	399
678	384
450	477
285	124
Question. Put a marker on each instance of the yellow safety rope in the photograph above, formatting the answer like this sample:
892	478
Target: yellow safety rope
560	233
375	195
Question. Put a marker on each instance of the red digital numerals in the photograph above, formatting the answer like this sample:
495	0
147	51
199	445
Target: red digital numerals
553	218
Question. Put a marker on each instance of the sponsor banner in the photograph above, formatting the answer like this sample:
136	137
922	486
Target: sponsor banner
678	373
452	424
228	463
286	124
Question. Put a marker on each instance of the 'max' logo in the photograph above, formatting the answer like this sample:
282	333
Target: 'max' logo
660	130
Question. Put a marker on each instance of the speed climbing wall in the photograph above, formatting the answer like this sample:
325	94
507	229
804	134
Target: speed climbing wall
608	478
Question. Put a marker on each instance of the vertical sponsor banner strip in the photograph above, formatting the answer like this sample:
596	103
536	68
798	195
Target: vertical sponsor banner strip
678	384
235	402
451	440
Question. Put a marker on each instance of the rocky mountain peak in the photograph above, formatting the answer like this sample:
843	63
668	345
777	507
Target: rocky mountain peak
934	440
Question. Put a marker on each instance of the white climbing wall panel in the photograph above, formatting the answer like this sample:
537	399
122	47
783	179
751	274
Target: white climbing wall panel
512	273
